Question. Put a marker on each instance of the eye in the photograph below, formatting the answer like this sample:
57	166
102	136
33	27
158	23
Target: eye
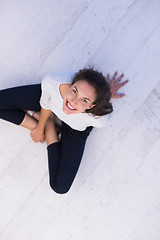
74	91
84	100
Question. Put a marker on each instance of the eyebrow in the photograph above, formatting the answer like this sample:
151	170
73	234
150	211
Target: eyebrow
84	97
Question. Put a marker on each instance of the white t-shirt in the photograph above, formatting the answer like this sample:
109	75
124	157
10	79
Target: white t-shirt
51	99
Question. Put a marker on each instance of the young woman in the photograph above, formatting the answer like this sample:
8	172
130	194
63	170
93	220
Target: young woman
78	104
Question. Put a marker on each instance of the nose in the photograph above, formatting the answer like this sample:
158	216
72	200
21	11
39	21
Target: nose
74	100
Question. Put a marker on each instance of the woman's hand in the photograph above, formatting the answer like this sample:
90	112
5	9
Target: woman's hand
37	135
116	85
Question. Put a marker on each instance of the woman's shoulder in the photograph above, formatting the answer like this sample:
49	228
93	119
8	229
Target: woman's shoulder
49	84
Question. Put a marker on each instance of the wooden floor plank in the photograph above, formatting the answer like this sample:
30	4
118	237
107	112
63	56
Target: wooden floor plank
11	27
32	8
128	37
37	213
77	47
10	136
154	41
132	203
153	215
13	197
144	231
38	41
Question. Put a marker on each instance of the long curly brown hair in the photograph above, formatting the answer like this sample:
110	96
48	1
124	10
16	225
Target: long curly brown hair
102	87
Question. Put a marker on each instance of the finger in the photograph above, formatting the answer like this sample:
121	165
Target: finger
120	78
125	82
120	95
122	84
114	77
108	78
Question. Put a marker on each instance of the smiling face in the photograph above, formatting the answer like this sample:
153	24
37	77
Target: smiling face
79	97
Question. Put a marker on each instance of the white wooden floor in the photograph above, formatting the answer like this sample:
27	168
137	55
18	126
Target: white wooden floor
116	194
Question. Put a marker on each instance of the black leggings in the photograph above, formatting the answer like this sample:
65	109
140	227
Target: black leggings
64	157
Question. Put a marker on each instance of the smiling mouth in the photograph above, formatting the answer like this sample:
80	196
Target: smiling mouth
69	106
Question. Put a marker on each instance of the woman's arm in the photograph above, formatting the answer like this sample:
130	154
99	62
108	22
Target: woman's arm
37	134
44	115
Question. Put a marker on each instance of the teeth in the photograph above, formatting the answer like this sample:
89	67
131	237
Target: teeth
70	105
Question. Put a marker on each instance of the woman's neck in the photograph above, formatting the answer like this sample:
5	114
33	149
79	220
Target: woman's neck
63	88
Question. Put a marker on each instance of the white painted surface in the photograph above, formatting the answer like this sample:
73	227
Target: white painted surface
116	194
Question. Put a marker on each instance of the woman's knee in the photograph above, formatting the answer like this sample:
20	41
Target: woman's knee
60	188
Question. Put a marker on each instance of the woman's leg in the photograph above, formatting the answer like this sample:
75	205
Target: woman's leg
51	135
14	102
29	122
64	157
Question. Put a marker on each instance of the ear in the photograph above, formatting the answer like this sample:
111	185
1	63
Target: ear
93	105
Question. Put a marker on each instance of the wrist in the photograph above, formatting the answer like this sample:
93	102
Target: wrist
40	128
